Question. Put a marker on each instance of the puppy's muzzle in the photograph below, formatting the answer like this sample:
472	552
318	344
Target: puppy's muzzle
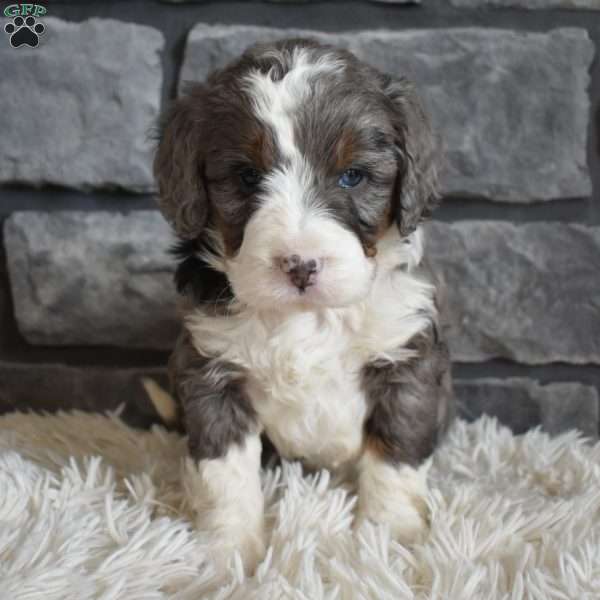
301	272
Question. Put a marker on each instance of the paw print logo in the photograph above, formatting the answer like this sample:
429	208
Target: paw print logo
24	31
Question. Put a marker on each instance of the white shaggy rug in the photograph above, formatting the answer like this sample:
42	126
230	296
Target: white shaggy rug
92	509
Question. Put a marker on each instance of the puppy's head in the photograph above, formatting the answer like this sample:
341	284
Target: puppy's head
294	161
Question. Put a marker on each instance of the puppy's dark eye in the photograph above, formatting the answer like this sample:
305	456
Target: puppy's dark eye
350	178
250	177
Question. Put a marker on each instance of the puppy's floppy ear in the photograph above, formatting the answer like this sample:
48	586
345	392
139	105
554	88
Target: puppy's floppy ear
416	188
179	164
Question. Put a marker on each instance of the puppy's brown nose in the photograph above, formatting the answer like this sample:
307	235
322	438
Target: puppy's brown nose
302	273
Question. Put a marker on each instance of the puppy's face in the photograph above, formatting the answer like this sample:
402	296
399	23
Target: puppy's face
294	161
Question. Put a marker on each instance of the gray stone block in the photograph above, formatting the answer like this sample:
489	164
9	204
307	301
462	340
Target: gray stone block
529	293
530	4
76	111
50	388
92	278
521	404
512	107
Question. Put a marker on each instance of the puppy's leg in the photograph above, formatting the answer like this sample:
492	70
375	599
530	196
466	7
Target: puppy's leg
411	405
393	494
226	496
223	472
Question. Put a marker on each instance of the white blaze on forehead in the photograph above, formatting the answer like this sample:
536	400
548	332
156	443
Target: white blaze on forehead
276	101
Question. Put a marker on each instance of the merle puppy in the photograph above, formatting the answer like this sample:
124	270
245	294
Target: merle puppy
297	178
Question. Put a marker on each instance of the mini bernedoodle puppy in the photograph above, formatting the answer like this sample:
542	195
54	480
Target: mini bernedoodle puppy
297	178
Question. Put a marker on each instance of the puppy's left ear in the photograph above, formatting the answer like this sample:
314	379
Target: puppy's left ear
416	188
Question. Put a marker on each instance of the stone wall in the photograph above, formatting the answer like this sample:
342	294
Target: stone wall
86	301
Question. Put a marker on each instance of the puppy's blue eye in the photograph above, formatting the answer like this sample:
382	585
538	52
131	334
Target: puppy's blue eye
250	177
350	178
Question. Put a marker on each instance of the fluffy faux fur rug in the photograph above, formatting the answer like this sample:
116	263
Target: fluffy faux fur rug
92	509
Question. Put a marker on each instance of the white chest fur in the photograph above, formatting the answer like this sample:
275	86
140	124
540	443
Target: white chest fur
304	367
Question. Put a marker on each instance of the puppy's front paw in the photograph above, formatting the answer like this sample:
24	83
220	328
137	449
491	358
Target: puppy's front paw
247	540
395	496
407	518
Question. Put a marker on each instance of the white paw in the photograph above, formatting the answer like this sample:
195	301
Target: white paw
248	542
394	495
407	519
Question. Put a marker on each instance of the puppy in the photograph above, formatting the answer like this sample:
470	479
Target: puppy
297	178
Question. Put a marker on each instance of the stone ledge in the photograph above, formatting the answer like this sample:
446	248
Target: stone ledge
534	85
77	110
521	404
50	388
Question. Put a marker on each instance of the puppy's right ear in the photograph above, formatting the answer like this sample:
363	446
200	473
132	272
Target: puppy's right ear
179	164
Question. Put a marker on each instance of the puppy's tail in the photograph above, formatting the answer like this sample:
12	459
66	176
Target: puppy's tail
163	402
